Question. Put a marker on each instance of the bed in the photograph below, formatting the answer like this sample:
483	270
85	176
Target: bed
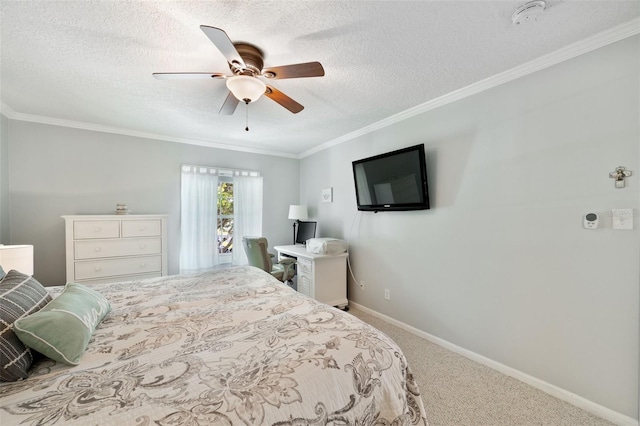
233	346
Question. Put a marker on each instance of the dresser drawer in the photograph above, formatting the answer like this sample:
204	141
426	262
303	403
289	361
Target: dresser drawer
91	269
118	279
96	229
141	228
92	249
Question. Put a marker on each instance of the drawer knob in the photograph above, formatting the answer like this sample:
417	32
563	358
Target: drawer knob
98	249
143	246
98	268
142	228
142	265
97	229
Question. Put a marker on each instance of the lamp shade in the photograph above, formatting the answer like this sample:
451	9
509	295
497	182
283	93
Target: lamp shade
298	212
245	87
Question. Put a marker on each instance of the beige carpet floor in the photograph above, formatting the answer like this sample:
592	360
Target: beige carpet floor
459	392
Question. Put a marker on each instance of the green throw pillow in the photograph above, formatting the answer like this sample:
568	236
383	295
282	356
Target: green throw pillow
62	329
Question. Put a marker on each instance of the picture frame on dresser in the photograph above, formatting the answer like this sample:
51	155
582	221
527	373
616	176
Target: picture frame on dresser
112	248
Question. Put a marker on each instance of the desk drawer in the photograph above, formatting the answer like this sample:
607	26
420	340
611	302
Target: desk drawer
141	228
92	249
86	229
91	269
305	266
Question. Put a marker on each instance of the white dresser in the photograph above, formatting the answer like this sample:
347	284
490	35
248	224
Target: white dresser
320	276
111	248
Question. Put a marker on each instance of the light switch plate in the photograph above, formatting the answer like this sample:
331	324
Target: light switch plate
622	218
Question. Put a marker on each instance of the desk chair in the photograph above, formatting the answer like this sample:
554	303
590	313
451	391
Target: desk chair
256	249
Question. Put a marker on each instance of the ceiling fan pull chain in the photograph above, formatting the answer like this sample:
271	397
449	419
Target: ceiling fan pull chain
247	116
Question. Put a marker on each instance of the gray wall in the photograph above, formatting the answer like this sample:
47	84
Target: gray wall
501	264
4	180
56	171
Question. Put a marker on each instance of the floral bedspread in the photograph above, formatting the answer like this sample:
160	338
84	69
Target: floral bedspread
230	347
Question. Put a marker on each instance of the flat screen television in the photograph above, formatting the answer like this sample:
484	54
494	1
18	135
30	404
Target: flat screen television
395	180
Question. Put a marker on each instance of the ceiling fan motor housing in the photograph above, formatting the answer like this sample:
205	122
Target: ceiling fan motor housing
253	59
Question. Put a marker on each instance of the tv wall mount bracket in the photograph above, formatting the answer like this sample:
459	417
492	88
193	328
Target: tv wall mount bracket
619	174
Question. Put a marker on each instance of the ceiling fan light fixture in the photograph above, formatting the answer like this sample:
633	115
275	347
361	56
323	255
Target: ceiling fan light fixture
246	88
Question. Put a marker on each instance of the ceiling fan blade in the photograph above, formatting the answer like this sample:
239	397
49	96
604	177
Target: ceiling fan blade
186	75
283	99
224	44
229	105
307	69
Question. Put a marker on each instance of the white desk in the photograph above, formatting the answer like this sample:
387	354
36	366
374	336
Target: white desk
320	276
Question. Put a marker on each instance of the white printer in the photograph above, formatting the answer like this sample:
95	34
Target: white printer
330	246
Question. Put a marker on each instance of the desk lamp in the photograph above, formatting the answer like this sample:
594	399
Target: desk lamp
297	213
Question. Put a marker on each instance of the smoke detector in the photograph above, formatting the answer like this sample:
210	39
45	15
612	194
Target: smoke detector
528	11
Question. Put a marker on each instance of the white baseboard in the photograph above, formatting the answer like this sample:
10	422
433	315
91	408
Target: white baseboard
565	395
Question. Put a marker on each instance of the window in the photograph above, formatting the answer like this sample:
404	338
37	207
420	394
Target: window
224	231
218	208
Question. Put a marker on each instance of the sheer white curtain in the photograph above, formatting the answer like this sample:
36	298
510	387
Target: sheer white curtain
198	219
247	213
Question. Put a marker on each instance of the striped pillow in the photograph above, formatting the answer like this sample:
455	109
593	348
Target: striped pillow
20	295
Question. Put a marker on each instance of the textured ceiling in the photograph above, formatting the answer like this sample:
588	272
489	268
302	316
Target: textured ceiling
91	61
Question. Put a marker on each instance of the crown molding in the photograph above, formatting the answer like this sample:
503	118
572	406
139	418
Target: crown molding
11	114
7	111
589	44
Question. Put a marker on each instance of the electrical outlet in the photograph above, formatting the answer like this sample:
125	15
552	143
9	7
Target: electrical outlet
362	285
387	294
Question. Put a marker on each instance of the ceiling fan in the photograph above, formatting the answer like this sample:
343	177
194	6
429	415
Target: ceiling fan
246	62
